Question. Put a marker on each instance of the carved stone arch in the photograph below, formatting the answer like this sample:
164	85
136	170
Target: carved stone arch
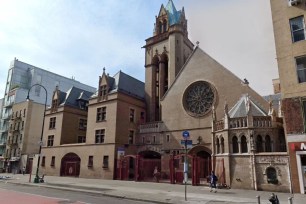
155	60
277	171
164	58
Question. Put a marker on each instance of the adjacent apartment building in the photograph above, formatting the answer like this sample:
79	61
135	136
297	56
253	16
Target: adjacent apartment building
21	77
289	31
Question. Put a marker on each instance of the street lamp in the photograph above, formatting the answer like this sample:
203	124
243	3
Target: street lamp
36	179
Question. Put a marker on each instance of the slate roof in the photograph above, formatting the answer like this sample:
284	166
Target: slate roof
240	109
73	95
124	83
174	16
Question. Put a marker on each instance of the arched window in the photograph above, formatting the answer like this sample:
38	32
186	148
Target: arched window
165	26
218	145
259	144
244	145
282	141
235	145
268	147
160	27
222	145
271	175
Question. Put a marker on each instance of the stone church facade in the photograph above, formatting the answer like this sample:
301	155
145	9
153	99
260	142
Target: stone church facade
133	127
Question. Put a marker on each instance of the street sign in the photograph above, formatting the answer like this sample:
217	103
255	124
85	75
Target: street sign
188	143
185	134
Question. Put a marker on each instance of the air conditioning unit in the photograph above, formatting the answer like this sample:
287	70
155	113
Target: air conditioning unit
294	2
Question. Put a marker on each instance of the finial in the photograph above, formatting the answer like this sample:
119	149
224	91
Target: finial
103	69
197	43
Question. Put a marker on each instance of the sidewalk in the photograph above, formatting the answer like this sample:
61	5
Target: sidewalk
154	192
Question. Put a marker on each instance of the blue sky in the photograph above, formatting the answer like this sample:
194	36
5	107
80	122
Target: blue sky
77	38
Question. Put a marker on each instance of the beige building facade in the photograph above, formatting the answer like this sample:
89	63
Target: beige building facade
289	31
25	128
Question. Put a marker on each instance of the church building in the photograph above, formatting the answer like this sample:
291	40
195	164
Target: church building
134	127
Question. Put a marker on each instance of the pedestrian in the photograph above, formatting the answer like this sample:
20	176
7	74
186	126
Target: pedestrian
23	170
156	174
213	181
274	199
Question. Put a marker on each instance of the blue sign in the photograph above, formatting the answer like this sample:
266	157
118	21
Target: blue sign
186	143
185	134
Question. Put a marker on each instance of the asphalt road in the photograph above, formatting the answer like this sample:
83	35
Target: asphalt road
16	194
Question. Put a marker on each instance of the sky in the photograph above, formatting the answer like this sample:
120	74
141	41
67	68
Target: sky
77	38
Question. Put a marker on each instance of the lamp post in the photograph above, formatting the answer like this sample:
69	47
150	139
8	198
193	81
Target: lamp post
36	179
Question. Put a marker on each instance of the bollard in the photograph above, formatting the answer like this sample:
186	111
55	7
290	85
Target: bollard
290	200
258	199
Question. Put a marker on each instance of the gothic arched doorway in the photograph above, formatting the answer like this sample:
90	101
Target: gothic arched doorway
148	161
70	165
202	164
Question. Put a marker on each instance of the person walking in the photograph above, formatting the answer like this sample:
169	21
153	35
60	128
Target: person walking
23	170
213	181
156	174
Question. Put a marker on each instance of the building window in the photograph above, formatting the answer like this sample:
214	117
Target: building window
132	115
301	69
82	124
52	161
52	123
101	114
271	175
154	139
131	137
81	139
105	162
143	140
268	144
24	112
103	92
22	125
235	145
244	145
142	117
259	144
43	161
90	161
168	138
297	29
282	141
222	145
50	140
100	134
217	145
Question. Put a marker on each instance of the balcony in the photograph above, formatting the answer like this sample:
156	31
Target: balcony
153	127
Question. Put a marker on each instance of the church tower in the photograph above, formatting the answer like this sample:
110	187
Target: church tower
165	54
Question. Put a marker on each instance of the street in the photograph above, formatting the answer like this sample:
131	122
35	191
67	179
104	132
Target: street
16	194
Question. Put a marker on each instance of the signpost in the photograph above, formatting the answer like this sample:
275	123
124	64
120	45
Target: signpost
186	136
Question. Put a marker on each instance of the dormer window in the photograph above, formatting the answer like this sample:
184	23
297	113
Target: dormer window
83	105
103	92
54	104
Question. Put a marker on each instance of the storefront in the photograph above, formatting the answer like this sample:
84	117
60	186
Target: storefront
298	166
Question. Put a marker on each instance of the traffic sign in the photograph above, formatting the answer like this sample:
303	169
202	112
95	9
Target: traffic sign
185	134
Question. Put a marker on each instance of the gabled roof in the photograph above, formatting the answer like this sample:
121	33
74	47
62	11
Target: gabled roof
73	95
245	106
174	16
126	84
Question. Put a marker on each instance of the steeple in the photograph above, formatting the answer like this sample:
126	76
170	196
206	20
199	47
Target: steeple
166	52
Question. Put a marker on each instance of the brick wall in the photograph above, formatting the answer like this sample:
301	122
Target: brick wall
293	116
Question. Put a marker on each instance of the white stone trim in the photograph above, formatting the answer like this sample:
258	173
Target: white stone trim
299	168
